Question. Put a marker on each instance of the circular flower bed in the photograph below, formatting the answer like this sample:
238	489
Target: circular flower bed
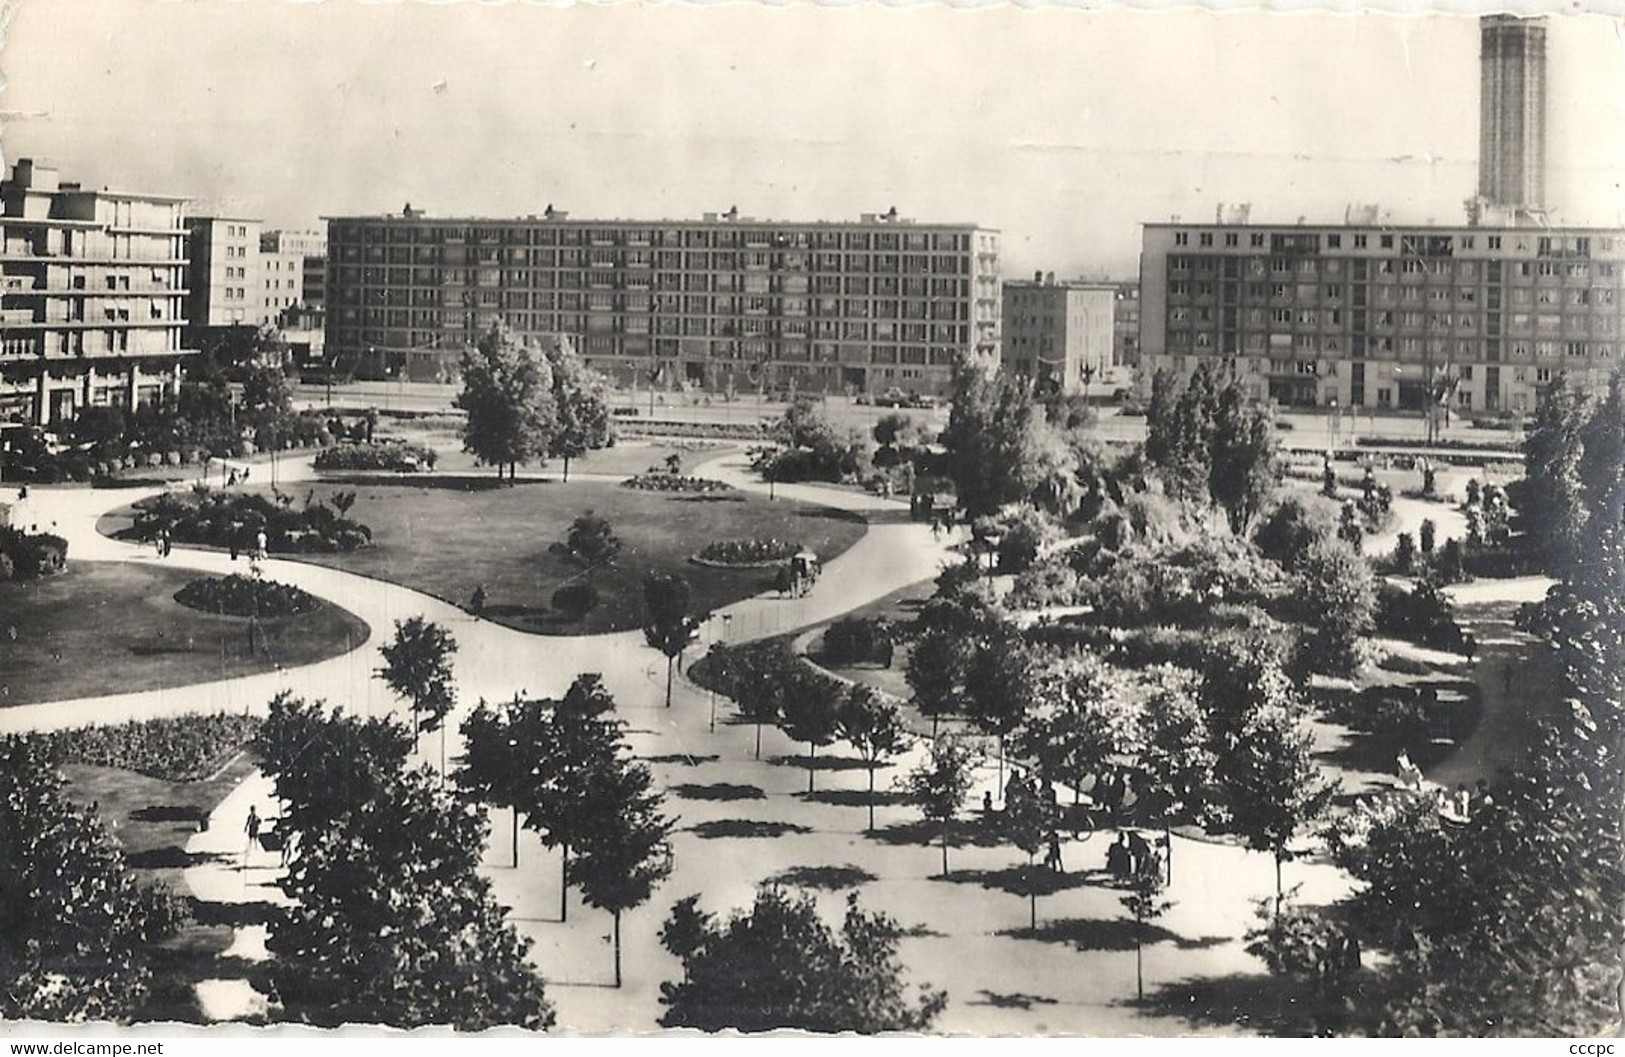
751	553
397	457
673	482
244	596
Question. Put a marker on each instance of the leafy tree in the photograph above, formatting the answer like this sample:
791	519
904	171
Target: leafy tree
1553	449
1080	717
1427	534
667	623
1000	685
874	727
1276	788
507	395
1244	465
497	765
76	930
592	542
582	422
1601	469
326	766
996	432
779	966
1405	552
417	668
267	403
624	852
940	784
1026	822
1162	443
1145	901
1290	529
578	742
753	680
1176	761
1336	596
945	644
391	923
810	710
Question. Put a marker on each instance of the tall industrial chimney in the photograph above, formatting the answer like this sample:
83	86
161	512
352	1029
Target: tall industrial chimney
1512	113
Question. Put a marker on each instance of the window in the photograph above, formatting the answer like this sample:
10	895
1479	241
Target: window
1181	238
1359	242
1258	239
1334	242
1231	238
1494	241
1205	238
1387	242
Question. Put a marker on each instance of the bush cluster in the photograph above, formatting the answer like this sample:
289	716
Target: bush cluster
245	596
176	749
396	457
656	481
1421	614
575	599
716	430
225	519
747	552
27	556
859	640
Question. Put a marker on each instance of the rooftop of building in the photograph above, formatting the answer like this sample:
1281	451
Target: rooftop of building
730	218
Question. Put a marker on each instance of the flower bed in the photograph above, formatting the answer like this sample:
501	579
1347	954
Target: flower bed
26	557
179	749
675	482
746	554
225	519
719	430
244	596
396	457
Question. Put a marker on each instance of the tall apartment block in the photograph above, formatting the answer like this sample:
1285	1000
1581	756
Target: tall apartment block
1126	327
1512	113
721	302
224	272
1059	334
92	296
284	270
1368	316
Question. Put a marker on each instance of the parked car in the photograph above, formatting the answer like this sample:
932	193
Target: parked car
893	397
924	401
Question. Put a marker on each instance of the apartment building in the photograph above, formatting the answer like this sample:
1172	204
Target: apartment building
224	273
92	296
284	259
1126	327
1059	334
1372	317
723	302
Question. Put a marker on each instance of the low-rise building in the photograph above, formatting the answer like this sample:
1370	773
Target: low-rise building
1058	334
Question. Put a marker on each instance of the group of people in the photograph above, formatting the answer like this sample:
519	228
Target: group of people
1019	789
162	543
1131	855
1457	806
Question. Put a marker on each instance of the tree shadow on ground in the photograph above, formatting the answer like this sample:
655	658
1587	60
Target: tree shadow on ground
823	763
923	832
1010	1000
1102	934
921	931
682	759
829	878
236	915
1449	710
856	797
1022	880
745	827
170	813
1255	1001
718	791
172	857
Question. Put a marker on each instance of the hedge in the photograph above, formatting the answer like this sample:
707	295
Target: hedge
177	749
399	458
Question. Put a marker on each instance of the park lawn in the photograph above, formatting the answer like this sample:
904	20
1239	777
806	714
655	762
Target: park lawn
446	535
151	820
114	627
628	456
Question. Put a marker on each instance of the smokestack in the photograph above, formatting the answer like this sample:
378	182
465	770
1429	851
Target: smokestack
1512	112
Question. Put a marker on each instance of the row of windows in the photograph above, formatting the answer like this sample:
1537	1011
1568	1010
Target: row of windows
1362	269
725	260
522	235
1179	291
1422	244
1492	351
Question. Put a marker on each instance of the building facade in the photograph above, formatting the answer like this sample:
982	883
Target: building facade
1059	334
93	288
283	264
724	302
1126	327
224	273
1374	317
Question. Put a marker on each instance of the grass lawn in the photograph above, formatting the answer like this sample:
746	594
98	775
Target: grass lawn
626	457
105	627
152	819
445	535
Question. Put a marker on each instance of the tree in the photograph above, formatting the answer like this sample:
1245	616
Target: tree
576	744
1000	685
940	784
1027	821
582	422
1427	534
667	624
76	930
1161	442
1336	596
779	966
809	710
1144	900
1275	786
1405	552
1290	529
267	403
624	852
592	542
1176	762
1244	463
417	668
996	433
391	923
326	766
874	727
507	394
1080	717
1555	509
497	766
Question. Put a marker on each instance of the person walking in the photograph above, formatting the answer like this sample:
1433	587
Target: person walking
252	829
1052	857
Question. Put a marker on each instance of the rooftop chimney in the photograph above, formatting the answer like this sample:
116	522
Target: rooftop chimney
1512	112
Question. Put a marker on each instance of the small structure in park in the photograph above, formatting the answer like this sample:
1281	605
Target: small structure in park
799	574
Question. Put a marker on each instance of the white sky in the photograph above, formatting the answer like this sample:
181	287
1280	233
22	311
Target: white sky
1064	128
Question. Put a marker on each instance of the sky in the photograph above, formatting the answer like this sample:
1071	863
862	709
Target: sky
1064	128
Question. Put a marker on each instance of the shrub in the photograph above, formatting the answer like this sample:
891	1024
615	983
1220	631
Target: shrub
747	552
1422	614
659	481
245	596
575	599
222	519
1022	534
29	556
397	457
858	640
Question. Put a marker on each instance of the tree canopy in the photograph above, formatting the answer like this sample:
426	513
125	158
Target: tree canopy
508	397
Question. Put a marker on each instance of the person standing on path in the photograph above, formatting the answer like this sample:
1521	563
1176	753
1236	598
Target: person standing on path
252	828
